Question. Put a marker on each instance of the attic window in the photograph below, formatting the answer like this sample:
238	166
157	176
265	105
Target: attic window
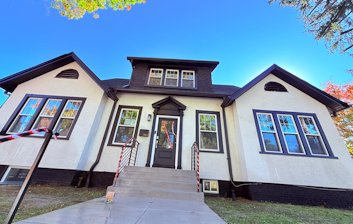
275	87
68	74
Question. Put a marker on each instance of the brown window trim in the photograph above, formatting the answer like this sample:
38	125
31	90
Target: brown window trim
180	69
115	124
219	130
12	118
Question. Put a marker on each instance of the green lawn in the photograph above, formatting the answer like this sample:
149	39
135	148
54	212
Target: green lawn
43	199
246	211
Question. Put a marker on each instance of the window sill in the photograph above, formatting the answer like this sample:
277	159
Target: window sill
121	145
300	155
34	136
170	87
207	151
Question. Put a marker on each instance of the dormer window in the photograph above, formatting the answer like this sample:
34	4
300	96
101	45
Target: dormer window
188	80
155	77
171	77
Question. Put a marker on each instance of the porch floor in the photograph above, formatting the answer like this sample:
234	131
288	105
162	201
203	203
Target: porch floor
128	209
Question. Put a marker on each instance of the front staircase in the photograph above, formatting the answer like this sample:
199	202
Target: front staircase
161	183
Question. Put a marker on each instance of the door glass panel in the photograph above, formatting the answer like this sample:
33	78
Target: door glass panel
167	134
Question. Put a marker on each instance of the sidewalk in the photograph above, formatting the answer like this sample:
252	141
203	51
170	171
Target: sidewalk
128	210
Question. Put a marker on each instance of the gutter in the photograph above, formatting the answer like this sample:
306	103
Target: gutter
227	145
99	155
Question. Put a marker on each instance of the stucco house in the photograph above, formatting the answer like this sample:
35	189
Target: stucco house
272	139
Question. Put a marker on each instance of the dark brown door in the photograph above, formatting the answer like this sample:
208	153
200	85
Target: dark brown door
165	146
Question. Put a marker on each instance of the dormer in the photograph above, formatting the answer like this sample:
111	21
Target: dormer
157	73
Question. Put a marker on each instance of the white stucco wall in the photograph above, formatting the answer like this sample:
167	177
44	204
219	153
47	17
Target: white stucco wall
64	154
282	169
213	165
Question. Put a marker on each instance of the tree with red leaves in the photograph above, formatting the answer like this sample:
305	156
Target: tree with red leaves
344	119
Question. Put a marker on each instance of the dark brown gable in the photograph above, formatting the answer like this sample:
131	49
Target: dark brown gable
169	106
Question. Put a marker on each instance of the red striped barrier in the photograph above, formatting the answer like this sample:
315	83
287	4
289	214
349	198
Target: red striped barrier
130	141
197	151
26	133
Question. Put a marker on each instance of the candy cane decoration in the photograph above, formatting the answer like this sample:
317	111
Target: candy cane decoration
196	149
25	134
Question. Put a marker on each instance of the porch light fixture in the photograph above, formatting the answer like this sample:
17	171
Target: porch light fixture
149	117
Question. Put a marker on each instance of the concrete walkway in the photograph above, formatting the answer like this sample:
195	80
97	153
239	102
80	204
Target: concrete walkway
128	210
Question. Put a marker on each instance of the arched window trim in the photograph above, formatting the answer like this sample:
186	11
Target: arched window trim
275	87
68	74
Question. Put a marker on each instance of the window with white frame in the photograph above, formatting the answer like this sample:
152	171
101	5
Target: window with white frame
268	132
126	125
67	117
23	118
155	77
47	114
312	135
210	186
40	111
188	79
290	134
208	132
171	77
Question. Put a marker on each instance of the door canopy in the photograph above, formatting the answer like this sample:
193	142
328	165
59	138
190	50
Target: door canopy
169	106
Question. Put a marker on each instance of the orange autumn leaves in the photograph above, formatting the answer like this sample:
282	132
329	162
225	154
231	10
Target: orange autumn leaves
344	119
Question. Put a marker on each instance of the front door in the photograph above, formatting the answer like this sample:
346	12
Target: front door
166	142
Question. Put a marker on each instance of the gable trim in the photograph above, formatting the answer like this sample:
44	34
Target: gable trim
331	102
9	83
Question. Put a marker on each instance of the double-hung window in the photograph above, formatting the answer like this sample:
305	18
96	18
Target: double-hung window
38	111
126	125
47	114
155	77
291	133
67	117
209	131
171	77
188	79
25	115
312	135
268	132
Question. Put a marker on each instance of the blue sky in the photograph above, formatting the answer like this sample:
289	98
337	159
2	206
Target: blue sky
246	37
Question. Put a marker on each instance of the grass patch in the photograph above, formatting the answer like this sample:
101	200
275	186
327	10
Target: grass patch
246	211
42	199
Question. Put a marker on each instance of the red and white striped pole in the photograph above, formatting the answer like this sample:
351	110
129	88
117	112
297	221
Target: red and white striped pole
197	151
198	170
25	134
120	160
34	166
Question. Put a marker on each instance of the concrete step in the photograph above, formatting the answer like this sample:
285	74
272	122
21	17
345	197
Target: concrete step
157	193
169	175
158	184
159	170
